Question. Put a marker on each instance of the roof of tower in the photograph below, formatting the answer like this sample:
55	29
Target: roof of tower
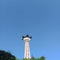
26	36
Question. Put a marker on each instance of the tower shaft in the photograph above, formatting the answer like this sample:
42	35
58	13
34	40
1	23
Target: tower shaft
27	39
27	50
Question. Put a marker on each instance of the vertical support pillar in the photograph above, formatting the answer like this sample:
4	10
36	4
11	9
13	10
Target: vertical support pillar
27	50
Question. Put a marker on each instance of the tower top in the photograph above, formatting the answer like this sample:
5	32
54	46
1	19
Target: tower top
26	36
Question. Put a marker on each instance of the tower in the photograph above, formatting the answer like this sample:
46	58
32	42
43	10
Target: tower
27	39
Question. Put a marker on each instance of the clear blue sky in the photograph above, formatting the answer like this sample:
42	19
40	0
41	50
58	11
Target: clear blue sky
38	18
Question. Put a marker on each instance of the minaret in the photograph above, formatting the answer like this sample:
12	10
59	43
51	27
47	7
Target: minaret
27	39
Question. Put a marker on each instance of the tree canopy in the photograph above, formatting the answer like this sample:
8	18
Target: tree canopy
6	55
33	58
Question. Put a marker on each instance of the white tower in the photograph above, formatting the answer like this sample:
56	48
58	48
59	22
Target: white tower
27	39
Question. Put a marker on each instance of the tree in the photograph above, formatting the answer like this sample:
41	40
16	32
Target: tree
6	55
42	58
33	58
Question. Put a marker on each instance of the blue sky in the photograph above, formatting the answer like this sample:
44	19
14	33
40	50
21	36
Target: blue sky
38	18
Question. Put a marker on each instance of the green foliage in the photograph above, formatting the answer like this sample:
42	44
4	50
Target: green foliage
17	59
6	55
32	58
42	58
24	59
